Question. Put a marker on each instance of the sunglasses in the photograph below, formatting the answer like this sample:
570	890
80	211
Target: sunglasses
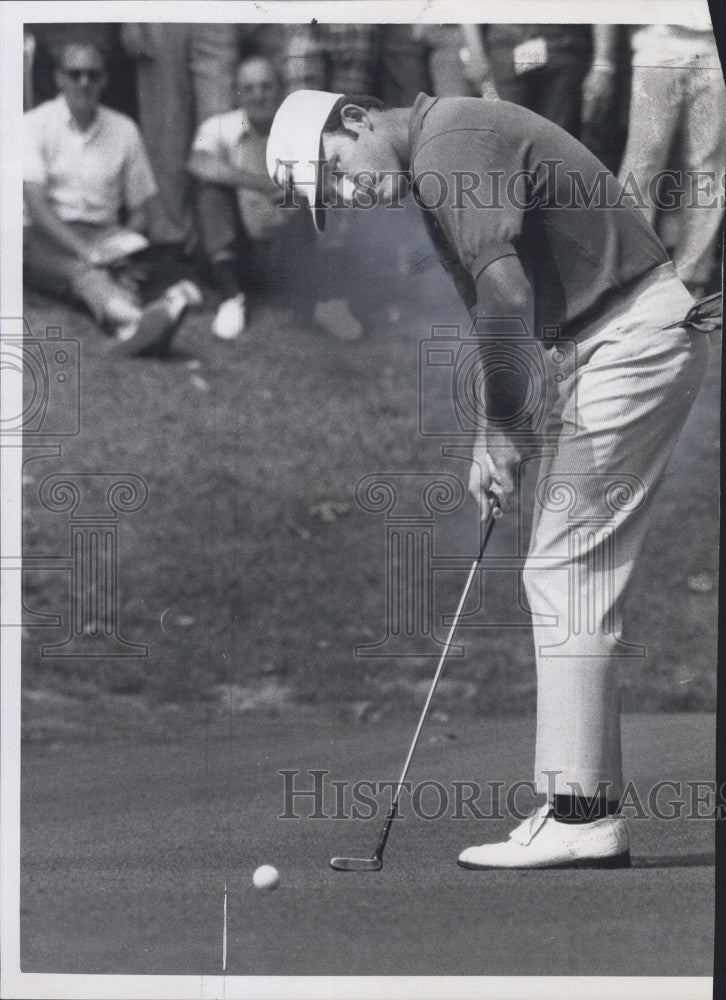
94	75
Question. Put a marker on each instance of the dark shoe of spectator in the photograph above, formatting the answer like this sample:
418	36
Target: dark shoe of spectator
336	319
159	320
229	323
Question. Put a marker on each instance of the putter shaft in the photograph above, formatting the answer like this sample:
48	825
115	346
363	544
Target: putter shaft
447	646
376	862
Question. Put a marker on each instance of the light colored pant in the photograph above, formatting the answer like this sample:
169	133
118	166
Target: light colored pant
51	269
683	96
446	68
184	75
620	409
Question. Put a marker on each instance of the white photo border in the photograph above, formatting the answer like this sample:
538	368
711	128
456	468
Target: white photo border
13	982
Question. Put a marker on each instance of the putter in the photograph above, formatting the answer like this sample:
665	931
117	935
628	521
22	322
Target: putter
375	863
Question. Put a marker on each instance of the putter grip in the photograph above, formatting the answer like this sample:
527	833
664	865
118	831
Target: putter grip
495	509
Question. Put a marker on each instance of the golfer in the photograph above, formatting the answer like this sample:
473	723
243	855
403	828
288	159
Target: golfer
531	226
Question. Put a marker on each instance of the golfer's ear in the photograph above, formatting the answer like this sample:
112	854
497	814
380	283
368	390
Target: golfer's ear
354	119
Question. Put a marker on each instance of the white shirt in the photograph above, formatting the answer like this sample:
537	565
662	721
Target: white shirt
87	175
231	138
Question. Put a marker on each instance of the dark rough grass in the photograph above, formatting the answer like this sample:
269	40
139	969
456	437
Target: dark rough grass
252	546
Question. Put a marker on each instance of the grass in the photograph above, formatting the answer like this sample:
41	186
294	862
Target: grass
251	573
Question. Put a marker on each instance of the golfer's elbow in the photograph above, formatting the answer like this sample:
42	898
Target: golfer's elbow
503	290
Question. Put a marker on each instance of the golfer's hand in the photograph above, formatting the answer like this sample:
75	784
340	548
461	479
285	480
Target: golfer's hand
495	466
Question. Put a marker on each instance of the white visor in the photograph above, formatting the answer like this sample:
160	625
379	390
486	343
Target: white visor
294	147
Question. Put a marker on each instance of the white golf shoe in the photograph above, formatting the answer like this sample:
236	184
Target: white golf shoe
541	842
229	323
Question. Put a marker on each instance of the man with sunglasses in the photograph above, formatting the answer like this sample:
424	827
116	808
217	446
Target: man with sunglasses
83	164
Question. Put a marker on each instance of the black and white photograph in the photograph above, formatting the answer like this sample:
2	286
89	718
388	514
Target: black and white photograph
360	434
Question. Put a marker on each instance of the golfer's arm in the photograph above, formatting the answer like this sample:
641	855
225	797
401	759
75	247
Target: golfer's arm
44	216
207	167
502	290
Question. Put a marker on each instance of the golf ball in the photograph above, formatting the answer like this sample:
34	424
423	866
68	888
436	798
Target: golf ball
266	878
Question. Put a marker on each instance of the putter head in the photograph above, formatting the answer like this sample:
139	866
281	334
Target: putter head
356	864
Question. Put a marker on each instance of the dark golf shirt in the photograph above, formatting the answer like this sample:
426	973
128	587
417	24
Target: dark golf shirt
540	195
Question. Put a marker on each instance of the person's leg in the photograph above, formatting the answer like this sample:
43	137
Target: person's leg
166	119
511	88
402	70
212	59
137	329
217	220
309	282
655	112
625	405
303	64
556	94
352	50
50	269
704	141
445	65
226	253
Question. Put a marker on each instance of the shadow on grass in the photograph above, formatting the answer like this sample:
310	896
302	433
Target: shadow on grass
705	860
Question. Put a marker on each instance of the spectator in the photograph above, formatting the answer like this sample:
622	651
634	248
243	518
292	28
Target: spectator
477	69
421	57
49	39
336	57
606	95
678	92
185	74
541	67
252	244
265	39
83	164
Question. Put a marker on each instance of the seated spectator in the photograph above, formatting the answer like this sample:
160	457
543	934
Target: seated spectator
83	165
251	243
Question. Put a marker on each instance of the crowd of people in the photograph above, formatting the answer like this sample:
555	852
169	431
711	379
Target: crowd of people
171	166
